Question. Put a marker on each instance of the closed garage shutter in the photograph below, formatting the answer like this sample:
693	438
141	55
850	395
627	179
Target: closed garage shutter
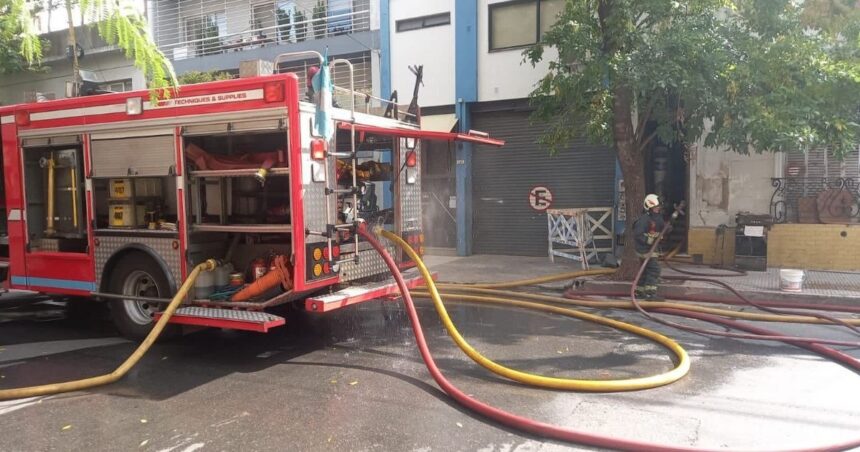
581	175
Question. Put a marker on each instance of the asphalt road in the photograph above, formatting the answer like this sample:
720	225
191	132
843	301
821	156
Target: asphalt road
353	380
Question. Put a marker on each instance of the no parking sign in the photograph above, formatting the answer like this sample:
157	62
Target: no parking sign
540	198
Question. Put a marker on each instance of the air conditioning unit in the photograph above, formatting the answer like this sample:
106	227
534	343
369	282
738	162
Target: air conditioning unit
254	68
180	53
35	96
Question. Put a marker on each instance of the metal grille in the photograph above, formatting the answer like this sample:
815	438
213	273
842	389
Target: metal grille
580	175
109	245
821	163
362	74
194	28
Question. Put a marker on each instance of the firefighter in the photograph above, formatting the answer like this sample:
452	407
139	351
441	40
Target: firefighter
647	230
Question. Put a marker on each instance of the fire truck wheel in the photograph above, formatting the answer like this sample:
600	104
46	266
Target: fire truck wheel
139	275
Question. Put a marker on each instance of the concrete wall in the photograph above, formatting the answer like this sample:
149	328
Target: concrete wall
110	66
814	246
433	47
503	74
723	183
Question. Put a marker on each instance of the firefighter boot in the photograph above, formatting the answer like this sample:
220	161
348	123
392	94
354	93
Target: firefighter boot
651	294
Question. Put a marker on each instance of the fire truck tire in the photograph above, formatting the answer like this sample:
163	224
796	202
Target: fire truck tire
138	274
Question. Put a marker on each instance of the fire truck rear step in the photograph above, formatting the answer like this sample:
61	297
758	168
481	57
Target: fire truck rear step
359	294
225	318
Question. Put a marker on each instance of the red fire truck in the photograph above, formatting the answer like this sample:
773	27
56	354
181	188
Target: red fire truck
115	198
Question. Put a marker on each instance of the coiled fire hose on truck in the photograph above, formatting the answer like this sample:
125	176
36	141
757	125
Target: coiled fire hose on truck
556	432
119	372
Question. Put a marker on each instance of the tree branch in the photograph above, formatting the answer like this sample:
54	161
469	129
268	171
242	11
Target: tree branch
646	115
647	140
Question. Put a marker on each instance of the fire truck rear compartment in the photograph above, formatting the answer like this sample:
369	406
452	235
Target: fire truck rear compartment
239	207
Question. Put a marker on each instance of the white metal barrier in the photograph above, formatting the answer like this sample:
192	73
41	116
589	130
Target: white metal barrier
580	234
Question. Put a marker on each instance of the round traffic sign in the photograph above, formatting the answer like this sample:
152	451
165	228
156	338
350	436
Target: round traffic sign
540	198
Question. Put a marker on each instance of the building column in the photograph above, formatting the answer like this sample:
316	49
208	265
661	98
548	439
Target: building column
385	49
466	92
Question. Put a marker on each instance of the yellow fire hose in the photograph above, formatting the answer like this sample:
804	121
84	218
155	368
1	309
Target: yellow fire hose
457	291
86	383
681	369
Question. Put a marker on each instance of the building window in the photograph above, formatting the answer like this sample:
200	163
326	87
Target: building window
204	33
117	86
263	19
521	23
417	23
339	17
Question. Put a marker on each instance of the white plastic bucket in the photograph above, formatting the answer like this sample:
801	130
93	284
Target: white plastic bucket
790	280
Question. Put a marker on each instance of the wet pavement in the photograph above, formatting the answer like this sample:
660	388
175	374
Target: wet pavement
353	380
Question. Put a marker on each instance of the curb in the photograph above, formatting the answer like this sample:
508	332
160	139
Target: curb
715	294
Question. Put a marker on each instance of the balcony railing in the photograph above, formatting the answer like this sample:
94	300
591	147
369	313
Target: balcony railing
815	200
184	33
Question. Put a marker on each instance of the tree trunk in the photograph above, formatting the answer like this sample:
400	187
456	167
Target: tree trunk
632	170
73	42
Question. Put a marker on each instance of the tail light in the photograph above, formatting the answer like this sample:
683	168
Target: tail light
319	265
335	253
273	92
411	159
22	118
318	149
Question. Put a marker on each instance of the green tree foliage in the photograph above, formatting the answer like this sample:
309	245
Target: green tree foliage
192	77
285	24
118	23
745	75
301	24
320	12
20	47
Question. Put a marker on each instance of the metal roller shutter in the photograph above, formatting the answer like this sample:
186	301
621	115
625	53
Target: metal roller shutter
582	175
143	156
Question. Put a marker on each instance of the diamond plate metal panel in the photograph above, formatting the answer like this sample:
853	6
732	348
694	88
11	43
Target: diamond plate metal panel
109	245
410	194
313	193
370	263
227	314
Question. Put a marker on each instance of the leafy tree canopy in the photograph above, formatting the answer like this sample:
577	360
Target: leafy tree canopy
192	77
750	75
118	22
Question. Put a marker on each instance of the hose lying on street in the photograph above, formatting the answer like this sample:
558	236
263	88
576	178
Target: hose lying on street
636	304
628	384
550	431
119	372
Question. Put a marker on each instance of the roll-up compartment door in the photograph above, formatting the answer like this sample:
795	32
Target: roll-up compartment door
138	156
259	125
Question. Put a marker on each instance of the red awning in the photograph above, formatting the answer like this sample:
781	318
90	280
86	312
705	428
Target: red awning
470	137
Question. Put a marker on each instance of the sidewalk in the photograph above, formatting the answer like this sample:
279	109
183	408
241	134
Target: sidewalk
839	288
820	287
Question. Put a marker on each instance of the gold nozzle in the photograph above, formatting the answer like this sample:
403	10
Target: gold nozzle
261	175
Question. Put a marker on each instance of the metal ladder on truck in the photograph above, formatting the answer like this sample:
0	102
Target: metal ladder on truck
333	229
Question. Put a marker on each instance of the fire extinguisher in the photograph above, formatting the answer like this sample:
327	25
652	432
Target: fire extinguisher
258	268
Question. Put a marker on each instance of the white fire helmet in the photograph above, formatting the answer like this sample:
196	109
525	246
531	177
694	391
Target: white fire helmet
652	201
